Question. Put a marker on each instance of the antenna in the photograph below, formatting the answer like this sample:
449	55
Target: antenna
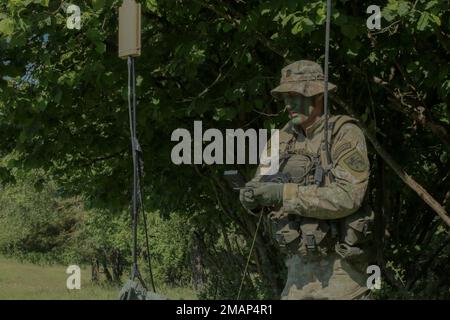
129	48
325	97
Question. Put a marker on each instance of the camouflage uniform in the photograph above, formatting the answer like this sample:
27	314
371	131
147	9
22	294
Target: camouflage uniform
323	225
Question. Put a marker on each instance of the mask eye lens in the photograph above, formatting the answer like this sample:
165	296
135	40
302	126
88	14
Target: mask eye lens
295	100
301	99
287	100
290	100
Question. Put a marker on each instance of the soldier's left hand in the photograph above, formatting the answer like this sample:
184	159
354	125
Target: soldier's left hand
269	194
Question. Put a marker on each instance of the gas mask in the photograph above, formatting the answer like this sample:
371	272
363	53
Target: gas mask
300	108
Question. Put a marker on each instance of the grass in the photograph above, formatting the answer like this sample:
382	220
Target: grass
26	281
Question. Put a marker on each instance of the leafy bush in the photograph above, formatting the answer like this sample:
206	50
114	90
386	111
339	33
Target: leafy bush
37	225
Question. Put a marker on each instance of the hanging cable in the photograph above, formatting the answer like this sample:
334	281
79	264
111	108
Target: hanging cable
144	220
137	201
249	255
134	209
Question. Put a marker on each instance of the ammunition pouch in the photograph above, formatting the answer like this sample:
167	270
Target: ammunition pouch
287	233
356	229
313	233
346	236
302	235
345	251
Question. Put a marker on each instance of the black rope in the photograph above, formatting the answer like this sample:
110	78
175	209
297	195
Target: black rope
137	177
144	218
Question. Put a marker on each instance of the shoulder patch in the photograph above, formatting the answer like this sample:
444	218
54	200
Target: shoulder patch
355	161
340	149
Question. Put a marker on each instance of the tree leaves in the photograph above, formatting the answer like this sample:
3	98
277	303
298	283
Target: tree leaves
7	26
302	24
403	8
98	4
423	21
100	47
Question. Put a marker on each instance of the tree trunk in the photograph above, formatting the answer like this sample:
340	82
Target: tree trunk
94	270
116	266
197	265
379	221
105	270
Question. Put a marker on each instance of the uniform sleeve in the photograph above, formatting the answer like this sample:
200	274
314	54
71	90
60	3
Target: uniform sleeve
351	174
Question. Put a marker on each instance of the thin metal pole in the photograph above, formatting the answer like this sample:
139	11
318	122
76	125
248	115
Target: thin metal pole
325	97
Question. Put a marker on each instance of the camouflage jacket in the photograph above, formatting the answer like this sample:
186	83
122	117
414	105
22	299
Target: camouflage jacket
331	200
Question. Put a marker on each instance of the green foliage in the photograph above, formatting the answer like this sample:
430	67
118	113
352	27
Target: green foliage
63	106
170	250
37	225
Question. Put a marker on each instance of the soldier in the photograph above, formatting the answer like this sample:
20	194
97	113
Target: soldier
316	203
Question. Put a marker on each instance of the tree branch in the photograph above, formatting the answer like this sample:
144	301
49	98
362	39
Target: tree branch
235	22
408	180
99	159
415	113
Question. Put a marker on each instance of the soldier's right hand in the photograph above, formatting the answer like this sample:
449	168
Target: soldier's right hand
246	196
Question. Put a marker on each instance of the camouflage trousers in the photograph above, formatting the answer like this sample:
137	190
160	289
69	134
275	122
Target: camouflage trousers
324	278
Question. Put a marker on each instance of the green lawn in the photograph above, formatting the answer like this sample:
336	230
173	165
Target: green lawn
30	282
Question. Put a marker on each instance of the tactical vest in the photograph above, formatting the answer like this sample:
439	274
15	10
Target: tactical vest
309	236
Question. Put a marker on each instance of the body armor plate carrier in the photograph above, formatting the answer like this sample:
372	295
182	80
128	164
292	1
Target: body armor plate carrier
309	236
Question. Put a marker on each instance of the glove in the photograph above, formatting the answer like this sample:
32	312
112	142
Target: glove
247	199
246	196
269	194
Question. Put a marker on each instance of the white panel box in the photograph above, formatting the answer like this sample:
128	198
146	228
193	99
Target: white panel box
129	29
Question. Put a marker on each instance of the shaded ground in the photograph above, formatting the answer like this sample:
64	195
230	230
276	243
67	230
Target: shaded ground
33	282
